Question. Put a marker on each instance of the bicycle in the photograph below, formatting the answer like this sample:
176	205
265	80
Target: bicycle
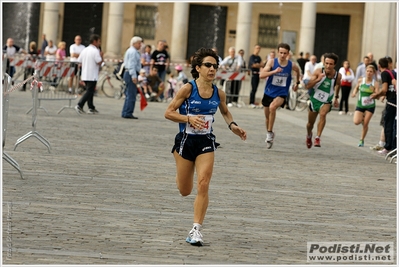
302	98
111	84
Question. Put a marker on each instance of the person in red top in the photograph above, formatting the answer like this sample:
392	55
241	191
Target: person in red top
346	85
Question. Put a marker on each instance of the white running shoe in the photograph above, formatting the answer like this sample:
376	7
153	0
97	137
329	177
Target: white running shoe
269	139
195	237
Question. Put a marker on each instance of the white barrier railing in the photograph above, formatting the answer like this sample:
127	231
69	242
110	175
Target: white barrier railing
35	87
6	96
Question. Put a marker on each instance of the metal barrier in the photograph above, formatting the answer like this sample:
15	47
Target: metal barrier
54	76
229	77
6	96
35	86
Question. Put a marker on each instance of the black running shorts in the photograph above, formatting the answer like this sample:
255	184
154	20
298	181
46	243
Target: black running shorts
190	146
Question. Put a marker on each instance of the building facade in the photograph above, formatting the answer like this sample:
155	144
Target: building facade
350	30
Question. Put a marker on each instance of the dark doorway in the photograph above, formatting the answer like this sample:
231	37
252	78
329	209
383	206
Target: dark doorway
81	19
332	33
207	28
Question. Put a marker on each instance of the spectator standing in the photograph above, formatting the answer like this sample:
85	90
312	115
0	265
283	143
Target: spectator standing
146	59
60	55
309	69
301	62
11	50
219	57
91	59
361	69
371	60
320	64
132	69
50	51
346	85
74	51
181	77
388	89
380	145
29	69
232	63
44	45
160	59
255	63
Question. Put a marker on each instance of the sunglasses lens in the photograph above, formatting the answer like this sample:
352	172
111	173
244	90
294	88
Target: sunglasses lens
208	65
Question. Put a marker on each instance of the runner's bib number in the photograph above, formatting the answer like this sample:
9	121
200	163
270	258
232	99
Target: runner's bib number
367	101
279	81
321	95
207	126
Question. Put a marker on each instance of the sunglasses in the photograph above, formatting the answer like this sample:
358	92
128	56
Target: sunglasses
208	65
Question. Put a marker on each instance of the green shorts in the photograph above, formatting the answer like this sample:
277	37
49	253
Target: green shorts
315	105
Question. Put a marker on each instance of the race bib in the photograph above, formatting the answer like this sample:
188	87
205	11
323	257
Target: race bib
205	130
321	95
279	80
367	101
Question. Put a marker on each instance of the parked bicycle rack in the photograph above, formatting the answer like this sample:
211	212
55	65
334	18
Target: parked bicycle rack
6	96
34	133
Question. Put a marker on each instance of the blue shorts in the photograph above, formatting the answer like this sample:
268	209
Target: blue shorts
190	146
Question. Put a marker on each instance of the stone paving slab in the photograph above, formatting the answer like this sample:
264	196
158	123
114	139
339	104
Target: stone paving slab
106	193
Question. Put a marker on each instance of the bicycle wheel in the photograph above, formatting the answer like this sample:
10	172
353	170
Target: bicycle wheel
302	101
293	98
120	91
109	85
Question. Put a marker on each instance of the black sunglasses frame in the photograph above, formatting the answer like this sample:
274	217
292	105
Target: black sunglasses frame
209	65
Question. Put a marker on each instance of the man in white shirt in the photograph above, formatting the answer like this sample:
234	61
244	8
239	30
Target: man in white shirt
91	59
50	51
320	65
232	63
309	68
74	51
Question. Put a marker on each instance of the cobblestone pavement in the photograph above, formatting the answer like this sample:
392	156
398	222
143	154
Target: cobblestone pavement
106	192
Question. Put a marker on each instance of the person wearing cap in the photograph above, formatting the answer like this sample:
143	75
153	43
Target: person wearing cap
181	77
132	68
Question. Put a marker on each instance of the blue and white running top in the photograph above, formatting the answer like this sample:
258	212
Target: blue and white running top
196	105
278	84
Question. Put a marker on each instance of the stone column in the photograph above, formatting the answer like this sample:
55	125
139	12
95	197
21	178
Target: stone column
114	30
178	44
51	21
308	28
243	29
379	30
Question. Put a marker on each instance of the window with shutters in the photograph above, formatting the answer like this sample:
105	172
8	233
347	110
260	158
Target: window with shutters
269	26
145	21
